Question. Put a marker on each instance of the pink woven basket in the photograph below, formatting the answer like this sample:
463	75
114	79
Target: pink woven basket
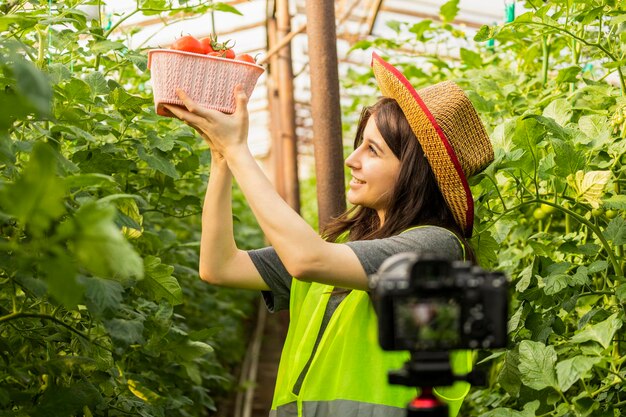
208	80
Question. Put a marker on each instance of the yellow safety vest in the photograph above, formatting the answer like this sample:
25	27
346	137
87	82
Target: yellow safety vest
348	373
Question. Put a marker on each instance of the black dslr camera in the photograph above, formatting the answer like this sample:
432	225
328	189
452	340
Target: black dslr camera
429	306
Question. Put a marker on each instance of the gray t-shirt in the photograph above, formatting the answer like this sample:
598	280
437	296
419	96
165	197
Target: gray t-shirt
371	254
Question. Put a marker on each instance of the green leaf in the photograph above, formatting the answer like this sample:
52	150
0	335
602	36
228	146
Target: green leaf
567	159
362	45
224	7
33	85
139	390
471	58
104	46
103	295
164	143
527	134
483	34
524	278
616	202
192	350
140	60
536	366
100	245
419	29
515	321
22	20
589	186
60	275
568	75
616	231
581	277
571	370
159	281
126	102
509	376
595	127
528	411
597	266
554	283
560	110
502	412
449	10
485	248
126	331
67	401
620	293
89	180
77	90
97	83
158	162
602	332
36	198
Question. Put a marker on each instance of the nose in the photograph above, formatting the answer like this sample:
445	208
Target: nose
352	160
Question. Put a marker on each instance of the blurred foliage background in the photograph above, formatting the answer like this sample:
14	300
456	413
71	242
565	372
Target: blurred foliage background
101	309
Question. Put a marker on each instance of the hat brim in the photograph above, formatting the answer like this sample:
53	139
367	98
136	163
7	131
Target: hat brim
443	160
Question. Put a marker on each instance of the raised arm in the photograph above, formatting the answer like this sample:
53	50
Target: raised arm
221	262
303	252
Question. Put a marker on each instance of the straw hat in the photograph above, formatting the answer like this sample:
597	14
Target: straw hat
450	132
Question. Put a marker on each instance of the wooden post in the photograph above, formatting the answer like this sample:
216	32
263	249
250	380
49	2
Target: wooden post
325	109
287	109
276	151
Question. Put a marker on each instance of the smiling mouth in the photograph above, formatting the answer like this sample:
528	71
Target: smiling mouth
358	181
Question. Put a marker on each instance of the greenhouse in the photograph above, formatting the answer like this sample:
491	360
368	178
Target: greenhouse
359	208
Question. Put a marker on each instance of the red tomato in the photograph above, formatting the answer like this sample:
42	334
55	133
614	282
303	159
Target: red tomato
188	44
229	53
207	45
245	58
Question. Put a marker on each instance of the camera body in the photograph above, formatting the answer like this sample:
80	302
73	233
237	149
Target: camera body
427	303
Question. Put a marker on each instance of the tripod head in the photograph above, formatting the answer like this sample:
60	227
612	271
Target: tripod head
426	370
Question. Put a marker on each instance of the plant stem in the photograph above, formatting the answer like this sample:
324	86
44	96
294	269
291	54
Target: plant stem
18	315
594	228
41	49
546	60
586	42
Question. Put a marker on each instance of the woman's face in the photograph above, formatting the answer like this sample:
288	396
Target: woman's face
374	169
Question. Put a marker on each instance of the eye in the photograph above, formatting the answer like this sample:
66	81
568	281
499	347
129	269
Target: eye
372	150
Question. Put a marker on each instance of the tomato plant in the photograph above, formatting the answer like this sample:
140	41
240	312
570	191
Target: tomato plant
101	309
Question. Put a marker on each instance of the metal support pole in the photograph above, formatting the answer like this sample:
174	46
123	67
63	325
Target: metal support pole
325	109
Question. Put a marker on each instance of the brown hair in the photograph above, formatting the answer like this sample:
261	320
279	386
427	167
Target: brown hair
416	199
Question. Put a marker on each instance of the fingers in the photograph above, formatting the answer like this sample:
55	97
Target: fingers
191	105
241	98
184	115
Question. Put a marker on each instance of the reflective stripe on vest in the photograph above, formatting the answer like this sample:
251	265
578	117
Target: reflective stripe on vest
348	373
339	408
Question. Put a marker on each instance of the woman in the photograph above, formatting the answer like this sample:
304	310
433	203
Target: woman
413	154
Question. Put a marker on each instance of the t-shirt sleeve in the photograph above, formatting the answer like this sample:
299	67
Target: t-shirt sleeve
276	277
432	239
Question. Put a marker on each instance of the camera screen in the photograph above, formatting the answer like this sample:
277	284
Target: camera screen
427	323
